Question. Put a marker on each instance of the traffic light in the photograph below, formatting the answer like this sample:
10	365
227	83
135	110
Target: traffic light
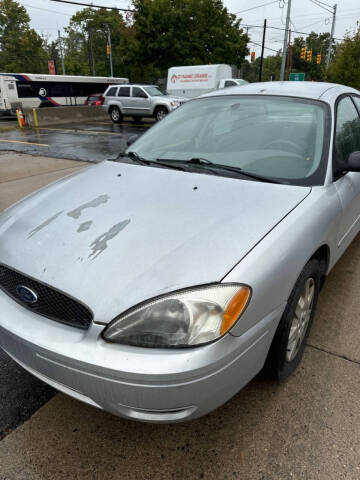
318	58
107	49
303	53
309	56
252	56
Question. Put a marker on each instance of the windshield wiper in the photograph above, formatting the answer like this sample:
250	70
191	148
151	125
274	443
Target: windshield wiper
218	166
144	161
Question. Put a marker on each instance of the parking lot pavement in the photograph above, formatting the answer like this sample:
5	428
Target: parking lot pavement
306	428
90	141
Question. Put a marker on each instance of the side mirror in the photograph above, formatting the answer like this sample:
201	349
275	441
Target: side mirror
353	163
133	139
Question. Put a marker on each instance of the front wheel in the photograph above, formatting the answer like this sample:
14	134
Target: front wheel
115	115
160	113
290	338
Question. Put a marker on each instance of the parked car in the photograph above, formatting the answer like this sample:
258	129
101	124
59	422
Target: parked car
95	99
138	101
157	286
195	80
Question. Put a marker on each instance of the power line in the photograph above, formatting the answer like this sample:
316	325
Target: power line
47	10
267	48
69	2
254	8
279	28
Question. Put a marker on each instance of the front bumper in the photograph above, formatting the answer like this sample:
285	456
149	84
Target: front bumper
150	385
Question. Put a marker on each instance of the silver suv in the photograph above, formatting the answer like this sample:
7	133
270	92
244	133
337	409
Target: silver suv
138	101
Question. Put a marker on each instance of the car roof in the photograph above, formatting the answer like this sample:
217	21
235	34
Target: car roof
134	85
313	90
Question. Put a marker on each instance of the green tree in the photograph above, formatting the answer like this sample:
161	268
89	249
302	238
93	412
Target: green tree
345	68
21	48
184	32
85	44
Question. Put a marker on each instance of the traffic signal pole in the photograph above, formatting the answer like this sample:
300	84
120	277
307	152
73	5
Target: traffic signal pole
262	51
284	52
331	37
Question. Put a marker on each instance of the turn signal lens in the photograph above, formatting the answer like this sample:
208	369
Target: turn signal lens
234	309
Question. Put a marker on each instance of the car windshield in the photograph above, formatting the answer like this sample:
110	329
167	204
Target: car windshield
153	91
274	137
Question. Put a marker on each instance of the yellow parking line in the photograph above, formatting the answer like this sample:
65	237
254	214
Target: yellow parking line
25	143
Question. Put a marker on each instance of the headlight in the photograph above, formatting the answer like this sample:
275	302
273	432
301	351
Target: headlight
174	104
182	319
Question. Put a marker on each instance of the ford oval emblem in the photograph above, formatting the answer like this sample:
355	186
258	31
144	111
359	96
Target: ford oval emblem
26	294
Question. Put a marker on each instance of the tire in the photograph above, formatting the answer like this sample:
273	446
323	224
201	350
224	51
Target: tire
136	119
115	115
285	354
160	113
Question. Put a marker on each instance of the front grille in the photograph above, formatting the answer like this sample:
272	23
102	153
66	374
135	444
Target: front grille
50	302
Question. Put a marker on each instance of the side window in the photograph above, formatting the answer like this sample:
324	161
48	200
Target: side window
347	137
229	83
111	92
138	92
124	92
357	102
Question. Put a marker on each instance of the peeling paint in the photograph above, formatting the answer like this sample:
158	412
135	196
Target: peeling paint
84	226
44	224
92	204
100	243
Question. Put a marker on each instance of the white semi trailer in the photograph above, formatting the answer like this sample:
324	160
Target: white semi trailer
192	81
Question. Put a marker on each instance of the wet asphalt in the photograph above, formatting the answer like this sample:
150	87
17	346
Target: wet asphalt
21	394
90	141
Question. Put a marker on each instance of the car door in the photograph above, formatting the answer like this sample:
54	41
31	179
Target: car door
347	140
125	100
140	101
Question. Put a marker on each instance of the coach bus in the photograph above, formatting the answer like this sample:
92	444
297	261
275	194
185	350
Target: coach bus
29	90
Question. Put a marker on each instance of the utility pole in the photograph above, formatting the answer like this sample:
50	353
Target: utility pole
262	51
284	52
91	56
288	58
331	36
61	54
110	53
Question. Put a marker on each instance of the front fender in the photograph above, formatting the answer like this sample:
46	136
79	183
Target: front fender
272	267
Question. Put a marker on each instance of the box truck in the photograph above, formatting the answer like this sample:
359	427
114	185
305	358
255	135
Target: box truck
192	81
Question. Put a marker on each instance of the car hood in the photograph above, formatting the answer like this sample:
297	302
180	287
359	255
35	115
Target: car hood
117	234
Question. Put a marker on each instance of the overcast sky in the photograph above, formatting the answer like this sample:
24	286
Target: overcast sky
48	16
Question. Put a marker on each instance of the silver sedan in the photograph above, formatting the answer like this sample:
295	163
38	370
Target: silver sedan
157	286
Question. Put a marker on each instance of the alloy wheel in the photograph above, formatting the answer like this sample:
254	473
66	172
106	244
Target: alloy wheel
301	319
